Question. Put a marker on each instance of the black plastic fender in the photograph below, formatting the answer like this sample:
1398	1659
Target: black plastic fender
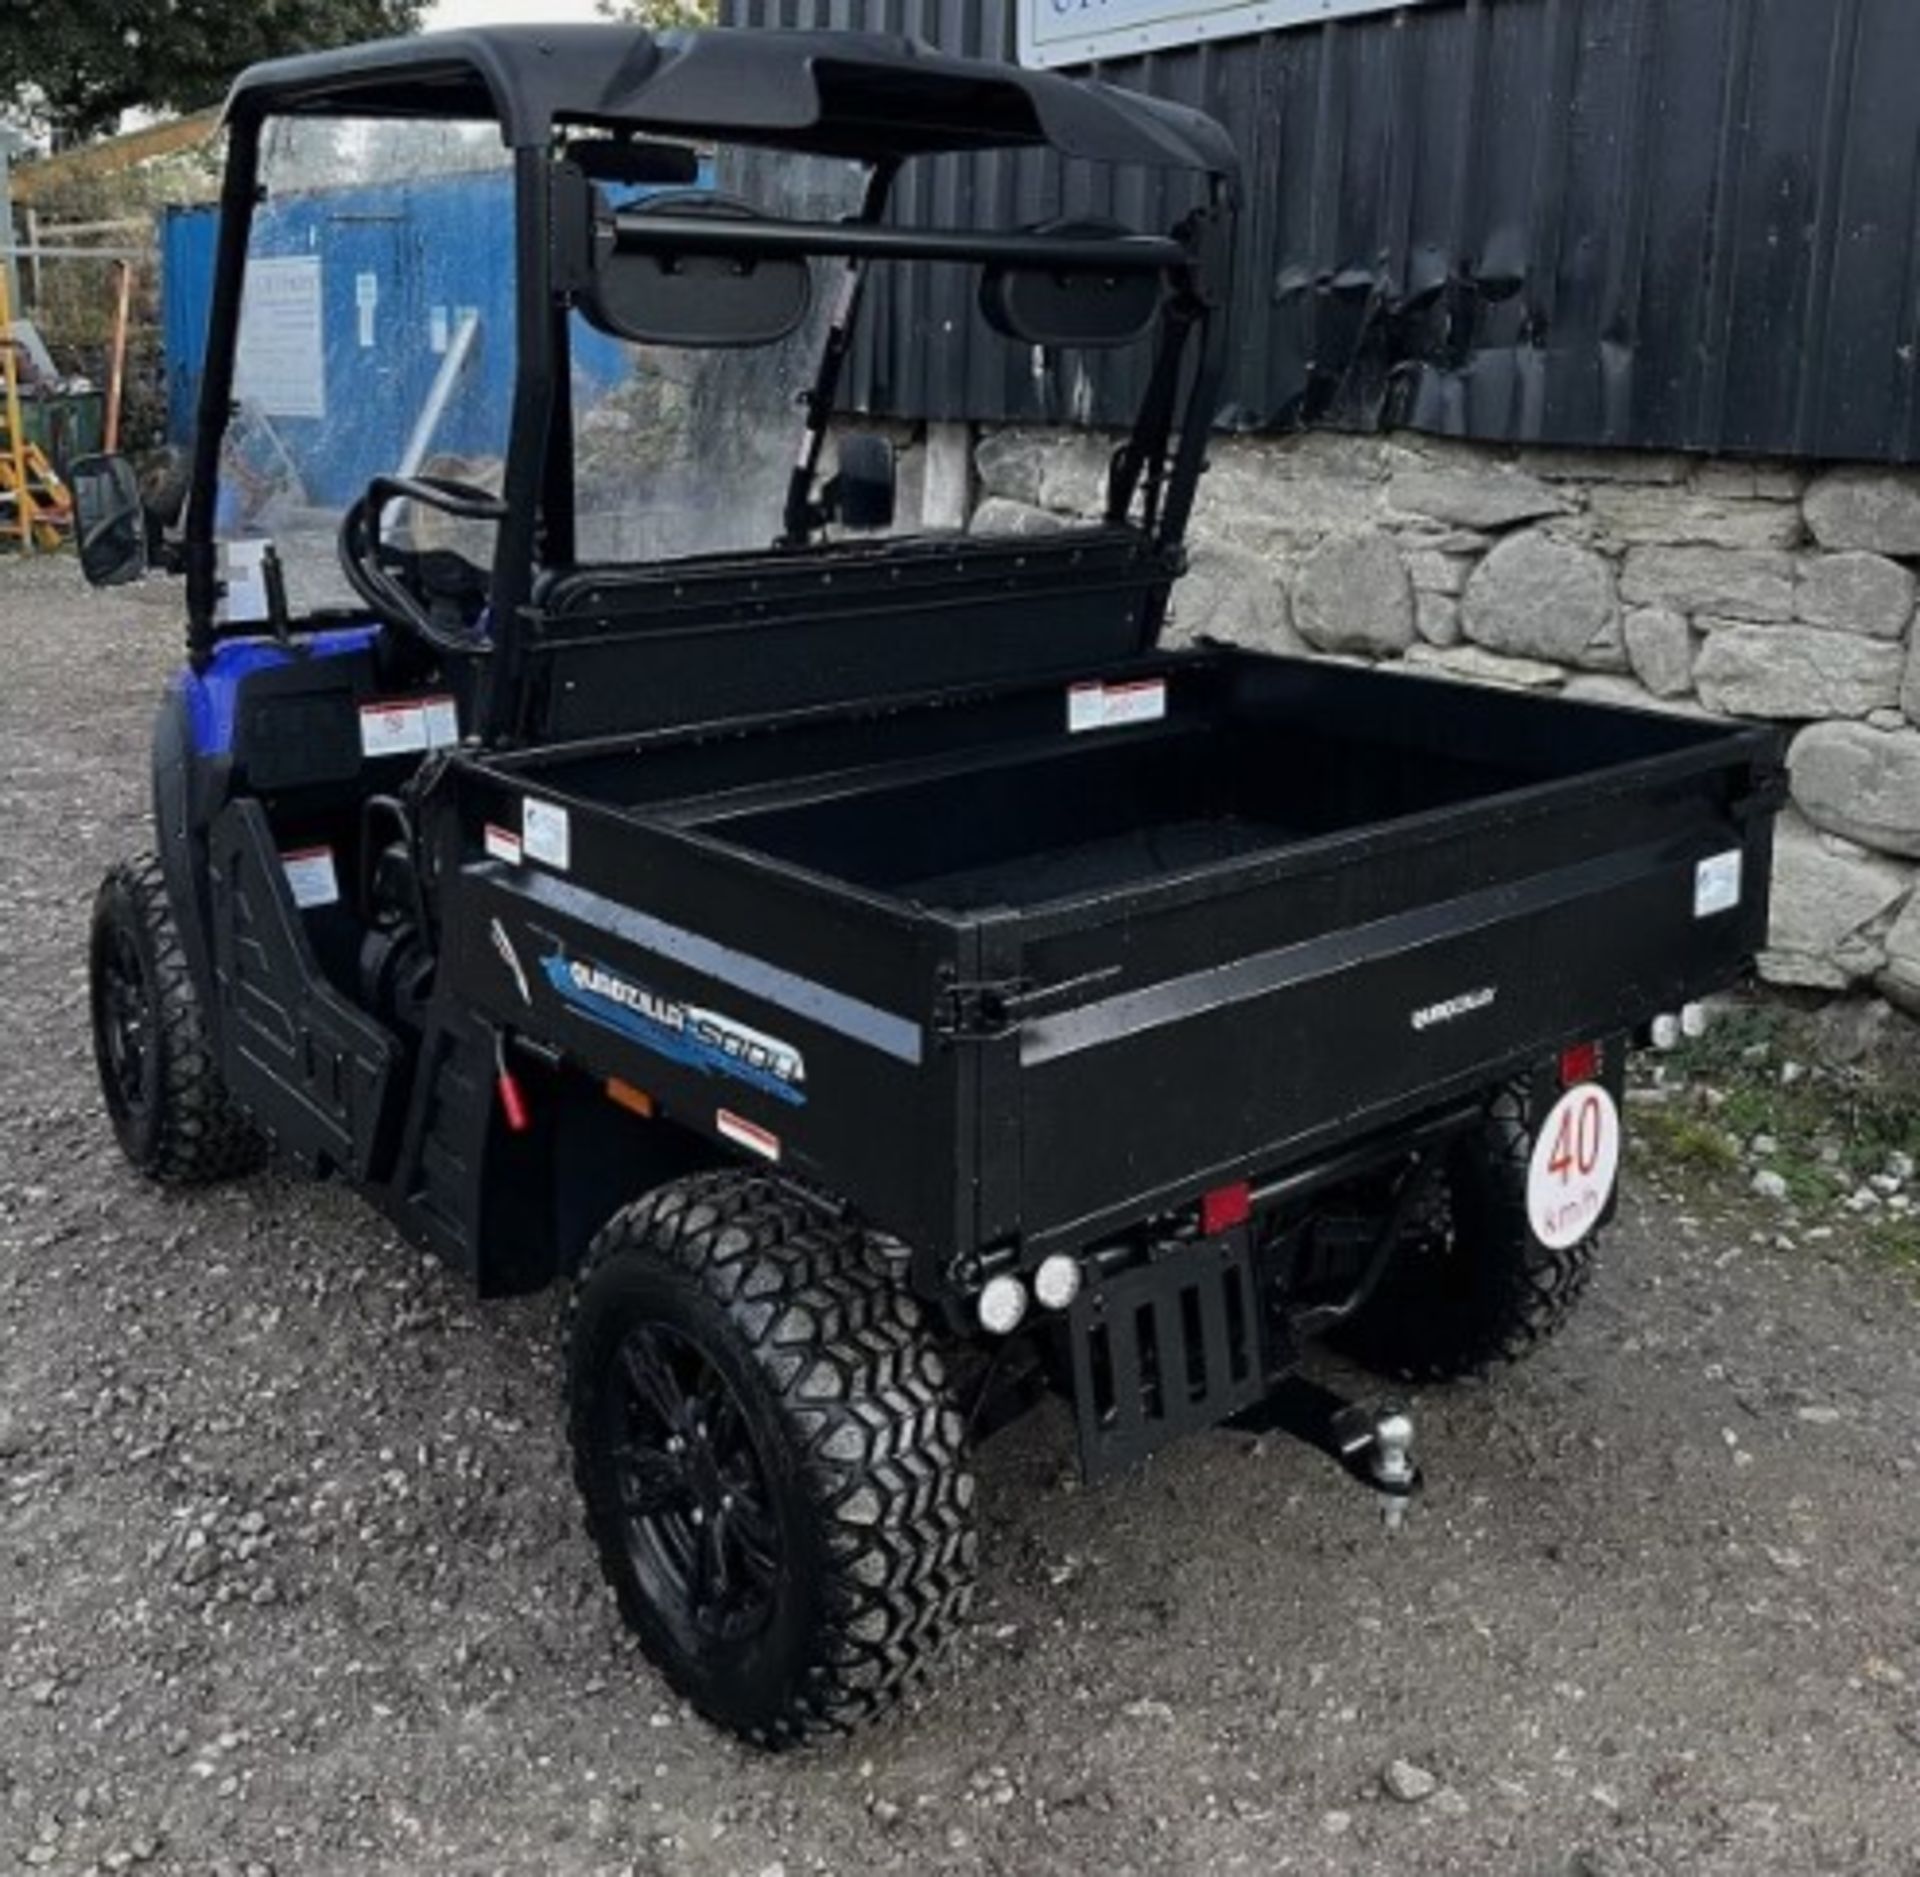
188	790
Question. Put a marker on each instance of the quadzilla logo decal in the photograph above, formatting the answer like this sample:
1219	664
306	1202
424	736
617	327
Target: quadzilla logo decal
1454	1007
683	1033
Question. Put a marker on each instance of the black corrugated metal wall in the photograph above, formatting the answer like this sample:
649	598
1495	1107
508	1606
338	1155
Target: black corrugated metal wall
1661	223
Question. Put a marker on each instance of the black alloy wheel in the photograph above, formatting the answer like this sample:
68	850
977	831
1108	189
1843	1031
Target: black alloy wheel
159	1080
700	1528
124	1018
770	1456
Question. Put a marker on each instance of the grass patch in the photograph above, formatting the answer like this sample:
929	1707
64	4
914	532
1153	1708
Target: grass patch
1895	1242
1836	1123
1831	1128
1683	1139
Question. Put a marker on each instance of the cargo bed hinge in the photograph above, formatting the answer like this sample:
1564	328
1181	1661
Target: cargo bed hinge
1770	791
979	1010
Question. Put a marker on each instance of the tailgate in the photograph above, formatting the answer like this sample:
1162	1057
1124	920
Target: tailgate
1207	1029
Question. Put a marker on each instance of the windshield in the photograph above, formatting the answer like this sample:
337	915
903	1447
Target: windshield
376	335
682	450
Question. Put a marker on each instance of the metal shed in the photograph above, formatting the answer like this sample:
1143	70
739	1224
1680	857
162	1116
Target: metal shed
1681	224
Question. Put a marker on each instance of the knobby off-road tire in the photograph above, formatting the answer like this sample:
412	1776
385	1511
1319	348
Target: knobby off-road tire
171	1112
1471	1286
806	1549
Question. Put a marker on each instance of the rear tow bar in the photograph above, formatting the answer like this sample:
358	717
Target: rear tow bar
1372	1444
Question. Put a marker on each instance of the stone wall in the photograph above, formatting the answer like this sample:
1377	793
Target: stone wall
1754	590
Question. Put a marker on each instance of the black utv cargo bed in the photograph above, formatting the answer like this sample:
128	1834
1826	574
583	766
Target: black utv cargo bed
1123	938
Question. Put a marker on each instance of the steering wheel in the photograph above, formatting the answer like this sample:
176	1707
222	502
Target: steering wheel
400	584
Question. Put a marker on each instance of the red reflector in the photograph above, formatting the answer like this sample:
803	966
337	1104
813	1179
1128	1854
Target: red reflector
512	1103
1581	1063
1225	1207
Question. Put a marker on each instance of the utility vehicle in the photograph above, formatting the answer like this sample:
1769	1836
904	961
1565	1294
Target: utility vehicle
882	977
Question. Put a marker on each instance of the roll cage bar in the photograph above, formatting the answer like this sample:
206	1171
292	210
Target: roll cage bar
868	97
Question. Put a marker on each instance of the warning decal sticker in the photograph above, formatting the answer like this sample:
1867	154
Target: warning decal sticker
408	726
311	877
1097	706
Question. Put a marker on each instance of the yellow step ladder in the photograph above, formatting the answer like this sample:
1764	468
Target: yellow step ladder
35	508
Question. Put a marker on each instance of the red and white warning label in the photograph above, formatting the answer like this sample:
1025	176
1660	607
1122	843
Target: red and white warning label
748	1134
1576	1158
1098	706
311	876
409	726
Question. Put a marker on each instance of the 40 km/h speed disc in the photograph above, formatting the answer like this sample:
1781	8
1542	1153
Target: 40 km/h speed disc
1576	1158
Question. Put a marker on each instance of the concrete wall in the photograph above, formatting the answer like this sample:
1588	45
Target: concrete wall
1752	590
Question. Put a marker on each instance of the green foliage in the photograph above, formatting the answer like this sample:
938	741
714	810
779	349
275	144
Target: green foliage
1844	1122
661	15
1895	1241
78	64
1684	1140
1831	1126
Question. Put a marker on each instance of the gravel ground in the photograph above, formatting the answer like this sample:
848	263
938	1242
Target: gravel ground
293	1581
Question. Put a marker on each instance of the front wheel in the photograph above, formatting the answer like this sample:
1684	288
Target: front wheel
170	1111
1471	1286
772	1466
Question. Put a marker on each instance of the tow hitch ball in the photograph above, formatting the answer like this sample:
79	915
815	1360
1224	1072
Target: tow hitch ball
1390	1460
1376	1447
1373	1444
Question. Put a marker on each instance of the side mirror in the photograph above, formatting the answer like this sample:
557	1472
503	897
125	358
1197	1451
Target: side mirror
655	297
1058	305
109	524
634	161
861	492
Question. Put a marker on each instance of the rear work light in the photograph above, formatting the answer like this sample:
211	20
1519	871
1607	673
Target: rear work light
1225	1207
1581	1063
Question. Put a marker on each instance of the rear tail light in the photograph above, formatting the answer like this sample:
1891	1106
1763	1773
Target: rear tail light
1579	1064
1225	1207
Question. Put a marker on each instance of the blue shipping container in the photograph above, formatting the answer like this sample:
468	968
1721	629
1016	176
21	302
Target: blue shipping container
400	264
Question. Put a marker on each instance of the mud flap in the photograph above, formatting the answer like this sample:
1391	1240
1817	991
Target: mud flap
314	1072
1165	1348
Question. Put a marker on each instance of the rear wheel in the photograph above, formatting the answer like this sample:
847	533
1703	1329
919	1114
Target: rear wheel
772	1465
171	1112
1470	1285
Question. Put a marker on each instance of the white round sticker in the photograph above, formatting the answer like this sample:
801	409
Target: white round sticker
1576	1156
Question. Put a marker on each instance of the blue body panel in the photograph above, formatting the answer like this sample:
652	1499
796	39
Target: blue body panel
212	695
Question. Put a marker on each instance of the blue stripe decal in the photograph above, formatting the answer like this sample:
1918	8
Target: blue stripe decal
879	1029
668	1028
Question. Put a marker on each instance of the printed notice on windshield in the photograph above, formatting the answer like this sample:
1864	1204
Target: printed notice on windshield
1097	706
280	361
243	583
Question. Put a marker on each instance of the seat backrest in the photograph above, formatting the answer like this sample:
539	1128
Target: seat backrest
641	648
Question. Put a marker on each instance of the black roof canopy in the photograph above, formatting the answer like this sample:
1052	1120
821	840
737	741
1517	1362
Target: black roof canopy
865	95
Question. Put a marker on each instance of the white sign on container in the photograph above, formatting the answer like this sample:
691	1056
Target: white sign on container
280	366
1073	32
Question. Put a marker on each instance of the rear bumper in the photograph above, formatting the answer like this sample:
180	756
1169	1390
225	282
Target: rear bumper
1193	1329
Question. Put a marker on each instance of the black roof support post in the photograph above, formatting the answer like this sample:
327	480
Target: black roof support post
518	544
798	521
238	194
